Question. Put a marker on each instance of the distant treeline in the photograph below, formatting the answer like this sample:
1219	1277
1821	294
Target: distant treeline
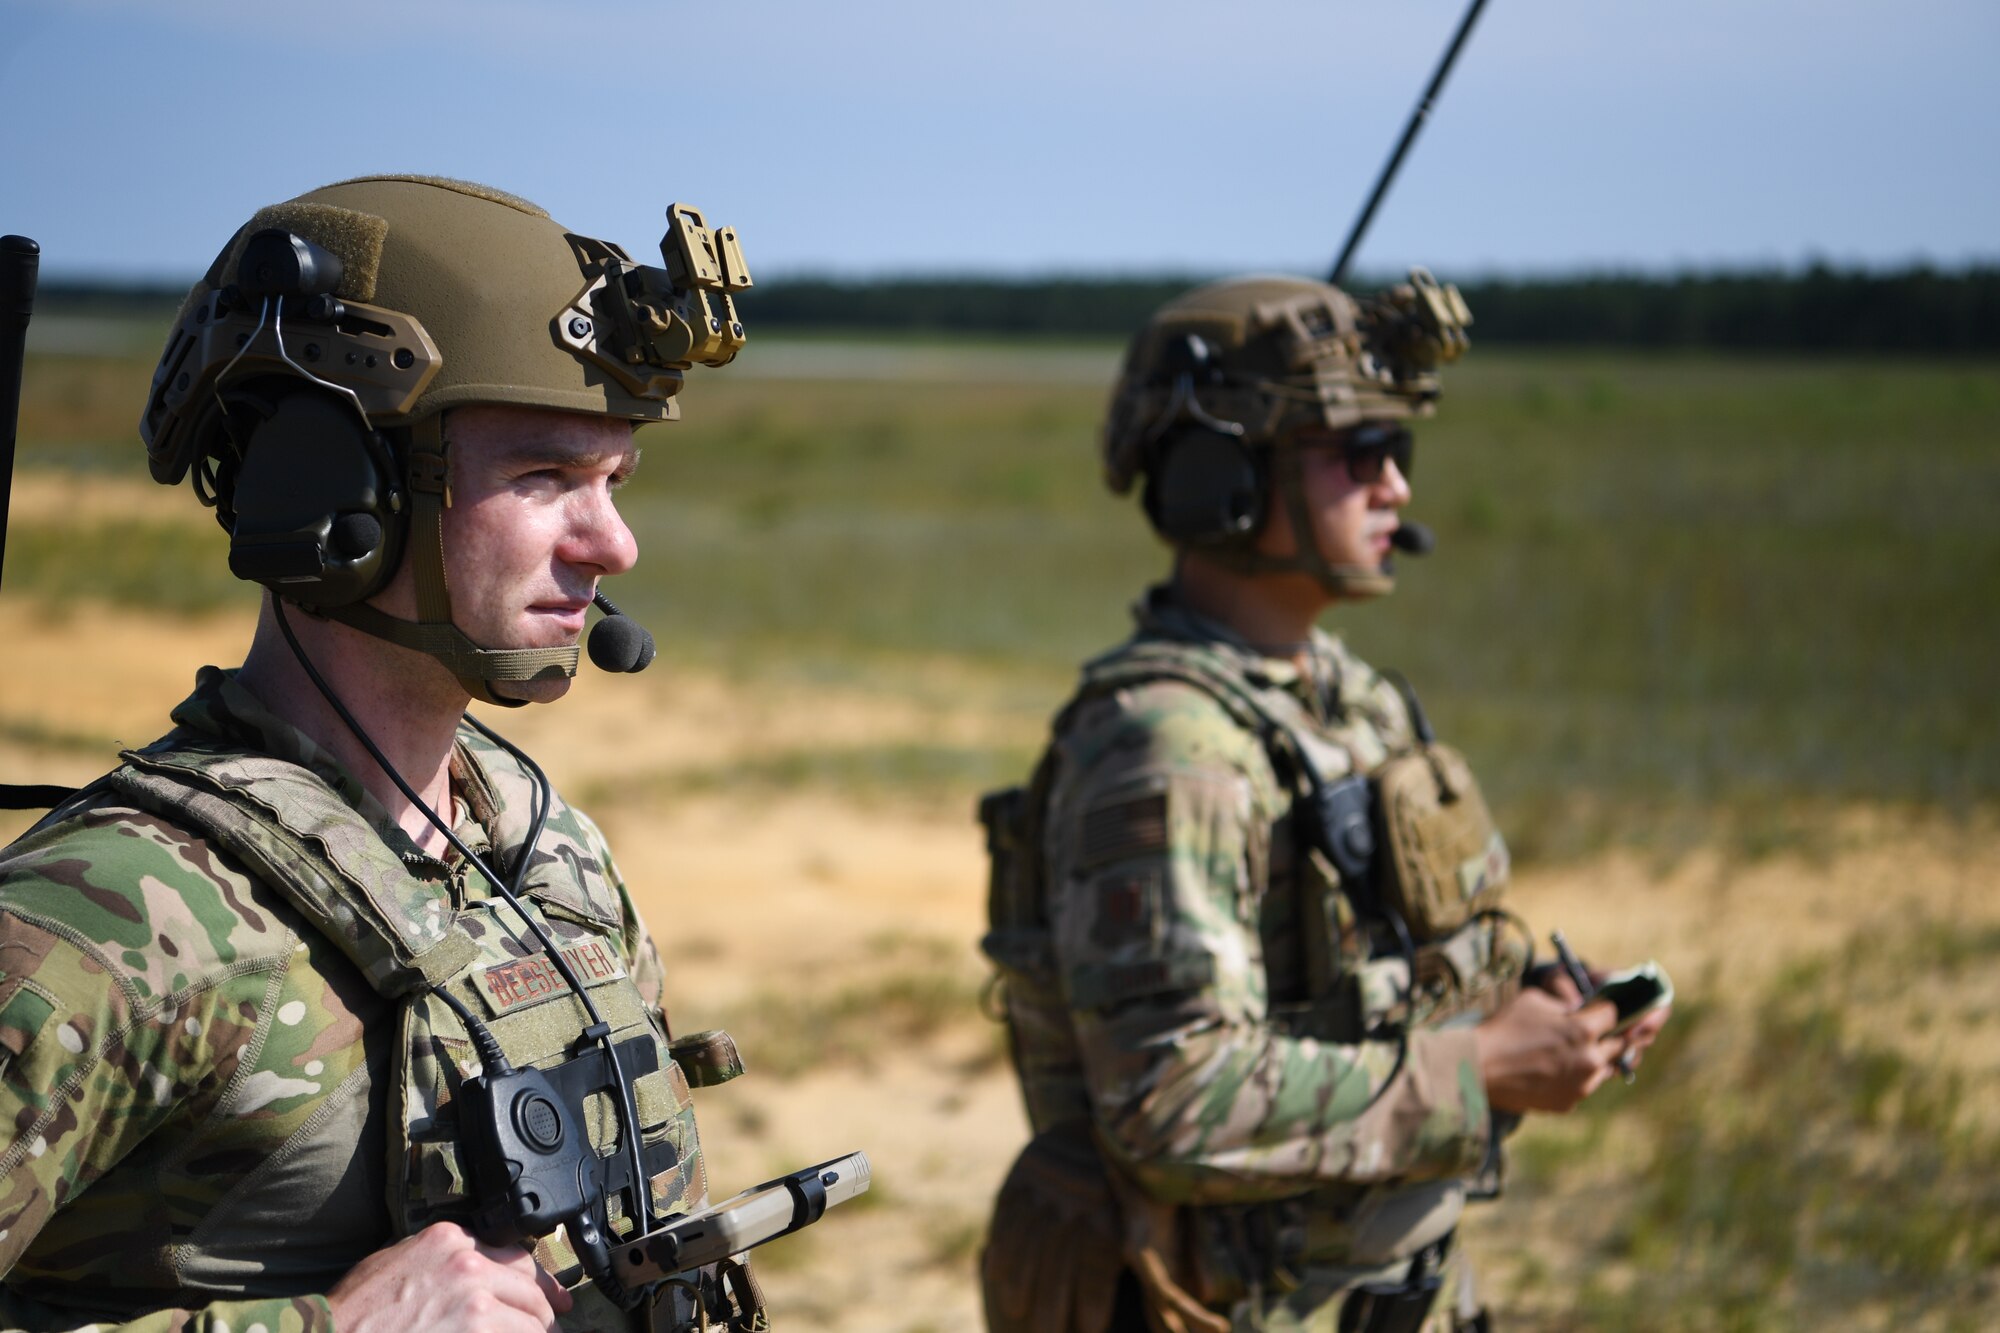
1815	309
1821	310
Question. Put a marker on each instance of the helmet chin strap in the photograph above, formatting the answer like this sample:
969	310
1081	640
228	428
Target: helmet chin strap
1347	582
432	632
1344	581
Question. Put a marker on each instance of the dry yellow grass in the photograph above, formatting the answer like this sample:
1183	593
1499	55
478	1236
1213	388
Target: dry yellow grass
50	495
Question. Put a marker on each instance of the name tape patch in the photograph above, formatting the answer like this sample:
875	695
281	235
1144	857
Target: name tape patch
523	981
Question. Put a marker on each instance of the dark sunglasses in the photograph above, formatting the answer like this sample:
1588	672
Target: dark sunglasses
1368	446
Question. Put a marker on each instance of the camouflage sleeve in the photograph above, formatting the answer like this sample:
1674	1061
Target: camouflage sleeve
104	1038
1158	840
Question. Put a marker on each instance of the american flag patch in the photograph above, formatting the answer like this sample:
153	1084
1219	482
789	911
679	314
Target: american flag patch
1124	829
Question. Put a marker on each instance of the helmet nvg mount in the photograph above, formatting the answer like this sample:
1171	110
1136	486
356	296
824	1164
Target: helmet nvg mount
1216	388
306	379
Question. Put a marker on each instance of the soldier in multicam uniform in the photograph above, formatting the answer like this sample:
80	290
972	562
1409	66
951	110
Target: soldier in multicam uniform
239	974
1264	994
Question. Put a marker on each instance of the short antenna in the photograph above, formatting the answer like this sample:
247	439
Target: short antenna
1417	119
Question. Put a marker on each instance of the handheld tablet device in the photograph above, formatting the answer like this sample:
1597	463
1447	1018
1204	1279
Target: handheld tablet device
1636	992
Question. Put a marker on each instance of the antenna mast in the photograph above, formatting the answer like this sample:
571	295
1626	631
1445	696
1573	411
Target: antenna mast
1417	119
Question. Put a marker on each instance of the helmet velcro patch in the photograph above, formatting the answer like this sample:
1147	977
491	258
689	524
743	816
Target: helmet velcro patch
355	237
471	188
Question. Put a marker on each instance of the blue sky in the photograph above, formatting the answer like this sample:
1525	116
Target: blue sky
878	136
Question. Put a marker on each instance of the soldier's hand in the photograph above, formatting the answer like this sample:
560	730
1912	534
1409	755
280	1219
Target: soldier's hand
1540	1053
1641	1035
443	1278
1637	1038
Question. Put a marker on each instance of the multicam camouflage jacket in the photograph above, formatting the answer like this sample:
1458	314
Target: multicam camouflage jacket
1171	997
221	1091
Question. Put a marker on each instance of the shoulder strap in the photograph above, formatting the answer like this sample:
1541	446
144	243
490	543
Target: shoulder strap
291	831
33	795
1147	663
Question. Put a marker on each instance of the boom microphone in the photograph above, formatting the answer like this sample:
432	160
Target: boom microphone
618	642
1409	538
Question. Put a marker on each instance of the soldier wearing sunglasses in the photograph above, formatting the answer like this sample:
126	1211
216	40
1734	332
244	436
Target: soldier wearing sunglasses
1249	917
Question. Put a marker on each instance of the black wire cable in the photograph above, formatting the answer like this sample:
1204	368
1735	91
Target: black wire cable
540	804
491	1058
538	801
1408	1000
627	1105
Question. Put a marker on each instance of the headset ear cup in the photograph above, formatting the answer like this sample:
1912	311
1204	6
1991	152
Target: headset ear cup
1207	489
318	514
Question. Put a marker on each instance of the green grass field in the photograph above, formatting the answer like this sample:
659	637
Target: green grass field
1675	600
1803	1172
1697	586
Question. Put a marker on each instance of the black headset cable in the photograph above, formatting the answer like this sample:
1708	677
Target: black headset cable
599	1030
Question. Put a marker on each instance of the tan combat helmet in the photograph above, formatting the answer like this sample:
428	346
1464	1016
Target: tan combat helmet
306	378
1224	378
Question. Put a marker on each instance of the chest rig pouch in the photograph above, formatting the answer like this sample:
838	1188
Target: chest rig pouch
1413	838
1415	851
553	1084
1442	864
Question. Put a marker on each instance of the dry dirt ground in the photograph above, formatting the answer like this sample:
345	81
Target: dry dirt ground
780	907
